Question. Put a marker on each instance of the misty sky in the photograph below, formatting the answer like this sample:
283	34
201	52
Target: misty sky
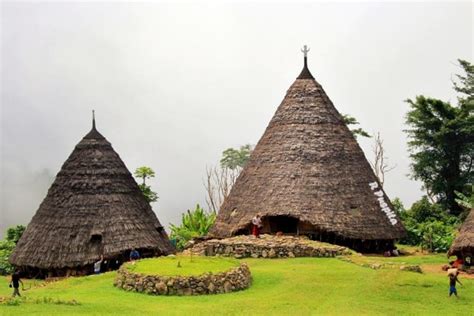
175	85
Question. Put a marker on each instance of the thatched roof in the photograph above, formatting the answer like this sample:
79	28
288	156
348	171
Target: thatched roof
93	207
464	243
308	165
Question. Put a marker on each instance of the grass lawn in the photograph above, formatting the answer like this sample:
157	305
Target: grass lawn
298	286
168	266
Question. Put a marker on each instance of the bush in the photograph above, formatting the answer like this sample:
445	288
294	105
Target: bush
6	248
428	225
14	233
193	224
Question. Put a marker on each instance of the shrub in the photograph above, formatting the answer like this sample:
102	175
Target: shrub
6	248
14	233
193	224
427	225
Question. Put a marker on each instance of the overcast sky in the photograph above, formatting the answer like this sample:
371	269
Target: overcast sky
175	85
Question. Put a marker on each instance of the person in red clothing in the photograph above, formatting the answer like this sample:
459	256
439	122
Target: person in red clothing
256	225
458	263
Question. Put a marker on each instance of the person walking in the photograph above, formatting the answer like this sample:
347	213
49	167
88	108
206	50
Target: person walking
453	278
15	283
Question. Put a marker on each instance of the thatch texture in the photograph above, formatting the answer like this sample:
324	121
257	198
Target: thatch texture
93	207
464	243
309	166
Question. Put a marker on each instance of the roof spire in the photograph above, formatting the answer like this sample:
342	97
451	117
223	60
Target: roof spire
305	73
93	119
305	51
93	134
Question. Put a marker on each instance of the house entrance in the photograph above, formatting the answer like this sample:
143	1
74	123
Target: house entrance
284	224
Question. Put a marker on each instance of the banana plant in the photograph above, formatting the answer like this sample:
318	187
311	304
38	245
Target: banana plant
195	223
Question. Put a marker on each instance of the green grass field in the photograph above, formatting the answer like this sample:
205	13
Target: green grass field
299	286
168	266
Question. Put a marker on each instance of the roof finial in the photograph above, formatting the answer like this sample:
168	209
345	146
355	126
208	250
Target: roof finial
305	50
93	119
305	73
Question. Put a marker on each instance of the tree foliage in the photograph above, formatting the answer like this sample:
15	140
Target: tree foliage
14	233
144	173
194	223
441	142
466	200
150	195
350	120
7	246
236	158
220	179
427	225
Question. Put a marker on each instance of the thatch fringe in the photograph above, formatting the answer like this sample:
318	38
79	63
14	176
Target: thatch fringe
464	242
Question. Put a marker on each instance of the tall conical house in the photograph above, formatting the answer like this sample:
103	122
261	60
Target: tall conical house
308	175
94	207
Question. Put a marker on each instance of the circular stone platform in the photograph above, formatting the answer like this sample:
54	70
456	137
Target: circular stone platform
184	275
267	246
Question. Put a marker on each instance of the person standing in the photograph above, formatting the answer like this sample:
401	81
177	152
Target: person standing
134	255
98	265
453	278
256	225
15	282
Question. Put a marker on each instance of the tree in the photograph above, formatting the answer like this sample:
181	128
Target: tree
466	201
144	173
236	158
380	165
350	120
427	225
441	142
218	183
14	233
194	223
219	180
7	246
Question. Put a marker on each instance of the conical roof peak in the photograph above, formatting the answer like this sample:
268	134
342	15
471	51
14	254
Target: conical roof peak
308	166
94	133
94	207
305	73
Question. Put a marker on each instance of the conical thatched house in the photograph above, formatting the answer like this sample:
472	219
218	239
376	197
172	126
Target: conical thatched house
463	245
94	207
308	175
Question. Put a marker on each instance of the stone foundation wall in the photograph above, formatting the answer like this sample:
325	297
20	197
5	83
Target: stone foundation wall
267	247
236	279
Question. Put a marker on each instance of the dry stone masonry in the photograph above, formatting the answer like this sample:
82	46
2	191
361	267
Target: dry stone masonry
235	279
267	246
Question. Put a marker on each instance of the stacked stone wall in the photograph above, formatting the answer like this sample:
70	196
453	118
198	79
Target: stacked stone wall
235	279
267	247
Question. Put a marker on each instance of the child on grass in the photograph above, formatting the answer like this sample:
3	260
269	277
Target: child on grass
453	278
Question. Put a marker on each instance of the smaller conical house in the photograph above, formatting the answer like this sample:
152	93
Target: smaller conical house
308	175
94	207
463	245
